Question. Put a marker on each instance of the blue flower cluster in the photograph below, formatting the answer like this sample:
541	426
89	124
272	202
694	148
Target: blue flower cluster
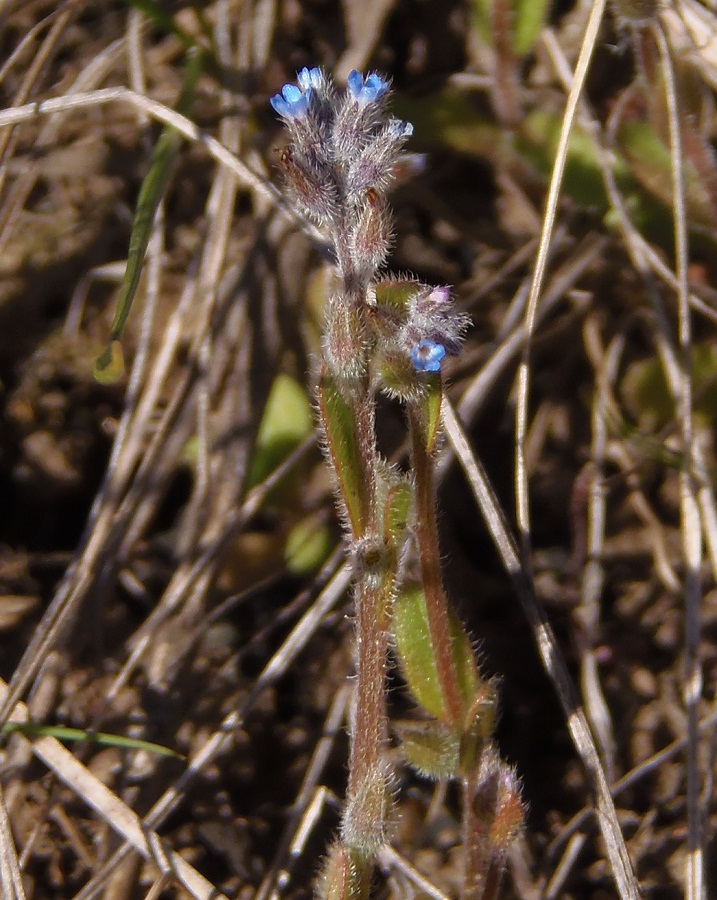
293	101
339	163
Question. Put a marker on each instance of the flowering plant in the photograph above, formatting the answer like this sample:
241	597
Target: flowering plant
391	335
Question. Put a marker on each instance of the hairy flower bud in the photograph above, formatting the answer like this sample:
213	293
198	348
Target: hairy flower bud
371	235
311	186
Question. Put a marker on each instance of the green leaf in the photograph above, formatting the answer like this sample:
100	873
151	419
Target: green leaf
167	23
450	119
415	653
649	160
431	409
538	141
479	727
95	737
307	546
153	189
432	748
528	17
397	511
286	422
109	365
647	396
343	448
395	293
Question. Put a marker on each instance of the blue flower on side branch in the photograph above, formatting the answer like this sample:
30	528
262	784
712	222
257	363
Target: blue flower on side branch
427	356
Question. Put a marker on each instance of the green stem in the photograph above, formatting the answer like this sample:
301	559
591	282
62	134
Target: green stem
426	531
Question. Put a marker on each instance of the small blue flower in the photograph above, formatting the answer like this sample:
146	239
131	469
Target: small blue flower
310	78
399	130
366	91
292	103
426	356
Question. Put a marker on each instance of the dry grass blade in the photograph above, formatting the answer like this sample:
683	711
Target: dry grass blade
218	743
690	525
521	411
172	571
10	875
593	575
120	817
184	126
549	653
279	874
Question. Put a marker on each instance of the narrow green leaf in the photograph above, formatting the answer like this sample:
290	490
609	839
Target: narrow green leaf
415	652
307	546
528	17
431	413
95	737
449	118
538	141
343	449
478	727
647	396
153	189
164	21
650	163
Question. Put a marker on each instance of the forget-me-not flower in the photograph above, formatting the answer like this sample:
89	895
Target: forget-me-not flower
293	101
367	90
426	356
310	78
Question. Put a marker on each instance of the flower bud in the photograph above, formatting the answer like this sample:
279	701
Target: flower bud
311	186
509	815
371	235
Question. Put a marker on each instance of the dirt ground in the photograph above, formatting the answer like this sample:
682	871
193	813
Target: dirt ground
154	585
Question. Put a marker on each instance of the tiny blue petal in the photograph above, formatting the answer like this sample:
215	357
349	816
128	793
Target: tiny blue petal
368	90
309	78
292	102
281	106
355	83
399	130
426	356
375	86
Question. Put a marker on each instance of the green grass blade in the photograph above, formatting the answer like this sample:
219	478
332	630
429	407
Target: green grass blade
108	365
95	737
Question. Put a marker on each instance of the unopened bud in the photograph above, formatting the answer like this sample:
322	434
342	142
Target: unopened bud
509	816
372	234
311	186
